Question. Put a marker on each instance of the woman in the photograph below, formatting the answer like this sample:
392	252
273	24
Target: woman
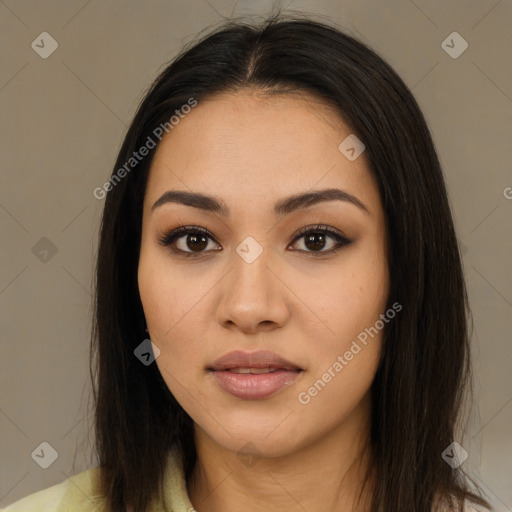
281	310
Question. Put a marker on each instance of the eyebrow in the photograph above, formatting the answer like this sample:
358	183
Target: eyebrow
282	207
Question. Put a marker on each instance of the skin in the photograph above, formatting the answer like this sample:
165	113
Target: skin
251	150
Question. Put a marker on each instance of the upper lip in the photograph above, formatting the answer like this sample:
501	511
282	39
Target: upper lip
260	359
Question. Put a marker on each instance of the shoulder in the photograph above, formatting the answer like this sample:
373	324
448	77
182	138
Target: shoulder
77	493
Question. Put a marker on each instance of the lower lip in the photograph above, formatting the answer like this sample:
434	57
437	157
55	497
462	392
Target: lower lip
252	386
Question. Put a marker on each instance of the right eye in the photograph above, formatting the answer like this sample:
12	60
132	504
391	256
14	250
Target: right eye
188	241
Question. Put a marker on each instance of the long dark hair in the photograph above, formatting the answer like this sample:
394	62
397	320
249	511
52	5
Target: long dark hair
419	387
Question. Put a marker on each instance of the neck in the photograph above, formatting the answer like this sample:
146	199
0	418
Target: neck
326	475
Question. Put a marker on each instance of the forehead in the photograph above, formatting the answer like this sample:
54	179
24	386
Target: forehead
248	143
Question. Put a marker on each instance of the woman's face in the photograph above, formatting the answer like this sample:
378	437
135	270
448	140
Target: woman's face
255	282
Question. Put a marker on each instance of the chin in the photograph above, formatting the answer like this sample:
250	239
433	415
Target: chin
250	441
260	447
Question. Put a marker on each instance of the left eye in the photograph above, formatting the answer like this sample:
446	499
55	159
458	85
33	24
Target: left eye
316	239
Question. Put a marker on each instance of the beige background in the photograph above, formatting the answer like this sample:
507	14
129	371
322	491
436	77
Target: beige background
63	120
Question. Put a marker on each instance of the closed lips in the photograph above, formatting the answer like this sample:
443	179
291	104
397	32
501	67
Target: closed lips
253	370
254	375
252	362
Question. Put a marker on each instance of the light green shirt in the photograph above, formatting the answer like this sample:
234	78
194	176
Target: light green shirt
77	494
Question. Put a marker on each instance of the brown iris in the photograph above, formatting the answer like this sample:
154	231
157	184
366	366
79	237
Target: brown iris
197	241
315	241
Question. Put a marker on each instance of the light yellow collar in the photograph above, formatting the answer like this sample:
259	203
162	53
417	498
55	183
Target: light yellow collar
175	488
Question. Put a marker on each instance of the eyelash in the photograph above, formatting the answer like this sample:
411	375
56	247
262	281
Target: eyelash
168	238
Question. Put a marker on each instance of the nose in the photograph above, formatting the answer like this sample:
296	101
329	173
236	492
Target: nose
253	297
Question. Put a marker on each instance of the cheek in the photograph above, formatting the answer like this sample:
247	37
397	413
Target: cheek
345	356
347	299
344	368
173	310
167	296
